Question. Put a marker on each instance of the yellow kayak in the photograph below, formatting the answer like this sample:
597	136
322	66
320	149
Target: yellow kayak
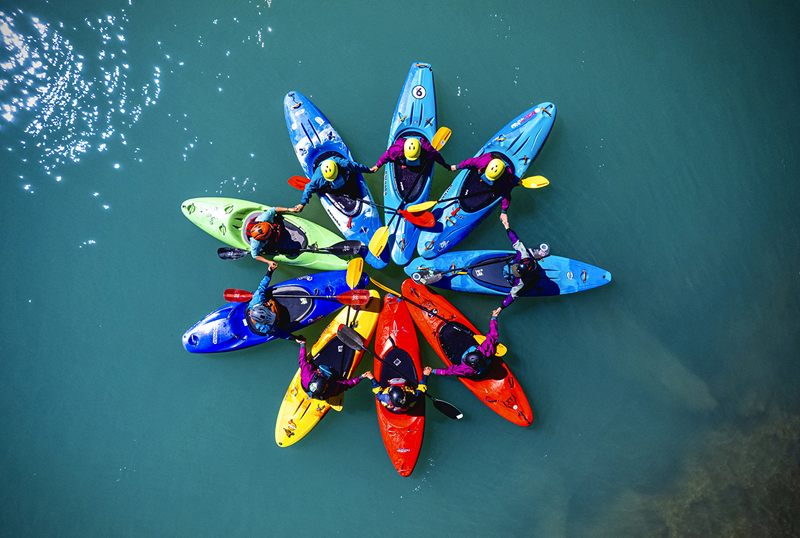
299	413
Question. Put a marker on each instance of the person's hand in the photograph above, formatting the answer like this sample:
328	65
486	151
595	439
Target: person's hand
368	375
453	167
427	370
298	208
300	339
504	220
272	265
496	311
373	169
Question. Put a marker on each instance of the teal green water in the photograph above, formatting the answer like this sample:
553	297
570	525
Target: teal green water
666	403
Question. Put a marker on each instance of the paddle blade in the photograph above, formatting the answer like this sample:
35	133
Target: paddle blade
354	297
378	241
298	182
441	137
345	248
354	270
499	349
350	337
418	208
534	182
420	220
448	409
231	253
237	296
384	288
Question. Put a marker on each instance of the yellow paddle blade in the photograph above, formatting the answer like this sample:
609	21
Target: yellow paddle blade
441	138
378	241
424	206
384	288
534	182
499	351
354	270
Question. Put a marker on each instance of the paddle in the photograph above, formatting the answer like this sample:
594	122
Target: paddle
353	340
354	270
533	182
499	349
342	248
431	278
349	298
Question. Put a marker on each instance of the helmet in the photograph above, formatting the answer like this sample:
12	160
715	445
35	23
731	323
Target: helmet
524	267
261	231
411	149
317	385
474	359
329	169
262	314
495	169
397	396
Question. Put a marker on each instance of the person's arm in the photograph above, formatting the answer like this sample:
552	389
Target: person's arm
460	370
522	252
423	385
488	346
353	166
390	155
433	153
261	293
306	368
341	385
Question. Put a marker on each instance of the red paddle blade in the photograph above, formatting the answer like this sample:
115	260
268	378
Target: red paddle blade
299	182
423	219
237	296
354	297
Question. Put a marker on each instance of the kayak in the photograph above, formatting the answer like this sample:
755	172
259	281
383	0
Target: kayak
299	413
517	144
227	218
498	388
414	116
557	275
227	329
314	139
396	343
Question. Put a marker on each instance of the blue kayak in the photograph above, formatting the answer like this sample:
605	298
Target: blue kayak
226	328
314	139
517	144
557	275
415	116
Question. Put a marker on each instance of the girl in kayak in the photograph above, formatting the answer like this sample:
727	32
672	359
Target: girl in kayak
411	153
523	271
330	176
263	231
262	312
494	173
398	397
317	381
476	360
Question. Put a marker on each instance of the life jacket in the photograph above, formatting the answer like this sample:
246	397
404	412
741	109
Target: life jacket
399	382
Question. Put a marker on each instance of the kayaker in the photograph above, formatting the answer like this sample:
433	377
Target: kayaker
399	396
523	271
412	153
330	176
494	173
476	360
262	311
317	381
263	231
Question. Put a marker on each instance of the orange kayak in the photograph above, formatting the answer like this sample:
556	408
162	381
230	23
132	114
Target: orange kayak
450	334
396	343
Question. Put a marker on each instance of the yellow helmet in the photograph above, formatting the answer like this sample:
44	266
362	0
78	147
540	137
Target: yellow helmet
411	149
329	169
495	169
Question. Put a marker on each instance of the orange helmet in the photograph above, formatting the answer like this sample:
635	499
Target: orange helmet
261	231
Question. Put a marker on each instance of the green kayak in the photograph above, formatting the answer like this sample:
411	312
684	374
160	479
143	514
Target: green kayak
226	218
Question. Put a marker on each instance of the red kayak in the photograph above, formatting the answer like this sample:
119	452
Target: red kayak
396	343
450	334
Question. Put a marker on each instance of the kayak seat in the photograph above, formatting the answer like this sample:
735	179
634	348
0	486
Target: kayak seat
455	338
336	356
350	204
292	309
475	193
404	180
292	238
403	366
491	274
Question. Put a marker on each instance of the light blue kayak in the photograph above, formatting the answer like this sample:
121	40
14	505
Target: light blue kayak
414	116
517	144
314	139
557	275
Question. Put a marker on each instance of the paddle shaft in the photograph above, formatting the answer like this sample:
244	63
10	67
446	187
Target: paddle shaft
479	264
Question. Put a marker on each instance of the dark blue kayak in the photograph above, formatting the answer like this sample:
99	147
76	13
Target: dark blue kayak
226	328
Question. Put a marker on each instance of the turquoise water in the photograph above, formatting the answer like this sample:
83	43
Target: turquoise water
666	402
